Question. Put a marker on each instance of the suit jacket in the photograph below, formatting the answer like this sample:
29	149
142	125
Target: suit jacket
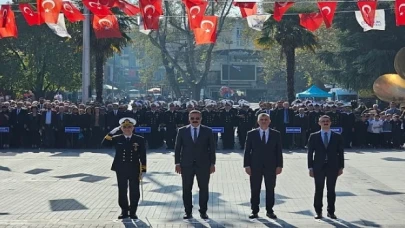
201	152
260	155
53	118
317	152
18	120
127	152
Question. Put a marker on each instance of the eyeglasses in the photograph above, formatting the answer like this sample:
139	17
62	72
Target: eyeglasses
194	118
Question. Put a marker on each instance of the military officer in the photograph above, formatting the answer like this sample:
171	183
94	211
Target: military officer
129	162
170	119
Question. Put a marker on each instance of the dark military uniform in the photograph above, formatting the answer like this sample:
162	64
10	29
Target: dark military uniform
348	122
245	124
153	119
210	119
171	119
129	162
227	120
313	120
335	118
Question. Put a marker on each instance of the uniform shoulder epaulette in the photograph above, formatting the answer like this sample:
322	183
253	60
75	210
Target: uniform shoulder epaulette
115	136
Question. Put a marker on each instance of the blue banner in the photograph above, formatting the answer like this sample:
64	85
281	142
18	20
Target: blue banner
4	129
72	130
217	129
293	130
143	130
336	130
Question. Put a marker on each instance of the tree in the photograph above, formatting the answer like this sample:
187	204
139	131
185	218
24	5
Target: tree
290	36
182	59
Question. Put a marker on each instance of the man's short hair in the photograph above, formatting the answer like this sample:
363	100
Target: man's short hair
262	114
324	117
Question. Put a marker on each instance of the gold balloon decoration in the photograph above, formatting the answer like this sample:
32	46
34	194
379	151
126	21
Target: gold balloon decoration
390	87
399	62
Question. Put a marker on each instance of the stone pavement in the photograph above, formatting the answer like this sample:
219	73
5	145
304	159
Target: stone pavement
77	189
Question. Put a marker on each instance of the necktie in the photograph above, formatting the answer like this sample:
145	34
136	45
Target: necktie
128	139
325	139
264	137
285	116
195	134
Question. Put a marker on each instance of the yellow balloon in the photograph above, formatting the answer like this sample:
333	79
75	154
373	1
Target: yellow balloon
390	87
399	62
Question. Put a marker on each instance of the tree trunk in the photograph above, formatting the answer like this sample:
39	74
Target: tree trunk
99	79
290	61
196	88
171	77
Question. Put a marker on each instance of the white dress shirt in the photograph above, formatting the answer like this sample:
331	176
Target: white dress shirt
267	131
48	119
192	131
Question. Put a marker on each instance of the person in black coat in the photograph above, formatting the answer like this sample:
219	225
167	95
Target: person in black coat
17	123
263	158
195	156
325	162
33	127
4	123
301	120
129	164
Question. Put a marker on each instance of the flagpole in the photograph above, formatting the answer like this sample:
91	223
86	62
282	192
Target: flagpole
86	57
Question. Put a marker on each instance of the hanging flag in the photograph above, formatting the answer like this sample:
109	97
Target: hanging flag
9	27
142	27
195	12
327	10
280	8
48	10
128	8
400	12
108	3
379	21
59	28
247	8
256	22
151	11
311	21
29	14
207	33
97	8
106	27
367	9
72	13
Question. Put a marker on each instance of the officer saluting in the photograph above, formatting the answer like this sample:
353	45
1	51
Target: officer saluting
129	162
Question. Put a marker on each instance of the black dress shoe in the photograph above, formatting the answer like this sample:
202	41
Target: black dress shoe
123	215
253	216
332	216
187	216
204	216
133	216
318	216
271	215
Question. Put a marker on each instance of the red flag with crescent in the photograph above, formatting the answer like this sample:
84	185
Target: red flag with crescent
280	8
400	12
48	10
128	8
367	9
8	27
327	10
311	21
151	11
247	8
97	8
72	13
106	27
29	14
207	33
195	12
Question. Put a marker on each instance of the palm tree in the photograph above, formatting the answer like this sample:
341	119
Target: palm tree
289	35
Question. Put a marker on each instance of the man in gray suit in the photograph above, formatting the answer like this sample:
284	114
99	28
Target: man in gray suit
195	156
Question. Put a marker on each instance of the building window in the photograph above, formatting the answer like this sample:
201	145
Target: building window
239	42
238	33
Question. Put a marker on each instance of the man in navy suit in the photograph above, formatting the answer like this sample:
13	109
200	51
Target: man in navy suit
325	162
263	158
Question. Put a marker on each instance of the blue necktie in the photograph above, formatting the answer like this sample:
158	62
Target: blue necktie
195	134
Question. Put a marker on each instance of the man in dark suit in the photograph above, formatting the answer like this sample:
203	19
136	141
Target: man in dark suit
195	156
263	158
129	162
325	161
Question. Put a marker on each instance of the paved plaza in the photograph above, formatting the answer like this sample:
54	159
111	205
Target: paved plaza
77	189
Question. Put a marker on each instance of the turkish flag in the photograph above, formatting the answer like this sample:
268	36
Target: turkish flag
48	10
207	33
29	14
247	8
311	21
195	12
97	8
280	8
327	10
151	11
72	13
8	27
400	12
128	8
367	9
108	3
106	27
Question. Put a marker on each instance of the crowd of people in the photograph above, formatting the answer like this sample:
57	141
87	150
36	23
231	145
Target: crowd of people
42	123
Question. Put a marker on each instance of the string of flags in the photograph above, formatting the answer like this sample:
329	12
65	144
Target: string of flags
204	27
